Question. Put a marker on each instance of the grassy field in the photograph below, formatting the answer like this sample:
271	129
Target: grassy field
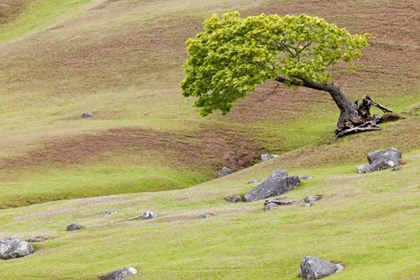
147	149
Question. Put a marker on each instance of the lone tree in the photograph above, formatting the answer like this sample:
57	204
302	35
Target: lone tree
234	55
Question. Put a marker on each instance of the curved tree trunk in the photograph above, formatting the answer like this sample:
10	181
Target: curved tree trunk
346	107
353	118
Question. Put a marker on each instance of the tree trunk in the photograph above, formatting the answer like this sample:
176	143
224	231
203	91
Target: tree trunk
353	118
346	107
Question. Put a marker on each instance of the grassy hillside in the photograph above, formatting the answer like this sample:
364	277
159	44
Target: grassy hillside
122	60
147	149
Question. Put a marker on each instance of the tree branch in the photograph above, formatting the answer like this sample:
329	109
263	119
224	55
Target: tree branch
270	93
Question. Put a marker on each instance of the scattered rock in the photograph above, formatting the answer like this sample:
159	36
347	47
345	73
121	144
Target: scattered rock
234	198
149	215
396	168
34	239
11	248
313	198
206	215
39	238
314	268
277	183
253	181
225	171
380	160
308	204
87	115
73	227
277	202
107	213
120	274
270	206
265	157
304	177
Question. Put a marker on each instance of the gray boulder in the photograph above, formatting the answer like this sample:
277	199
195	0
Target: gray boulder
11	248
120	274
380	160
225	171
73	227
276	184
314	268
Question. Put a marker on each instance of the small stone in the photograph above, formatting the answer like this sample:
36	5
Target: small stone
149	215
253	181
87	115
304	177
73	227
265	157
234	198
206	216
313	198
271	206
34	240
308	204
120	274
107	213
225	171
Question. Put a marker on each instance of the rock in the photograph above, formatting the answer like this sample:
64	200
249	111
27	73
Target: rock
225	171
315	268
304	177
279	201
73	227
277	183
265	157
120	274
253	181
107	213
87	115
270	206
380	160
234	198
312	198
149	215
206	215
34	239
308	204
11	248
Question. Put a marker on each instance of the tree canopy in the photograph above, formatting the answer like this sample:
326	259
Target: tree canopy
234	55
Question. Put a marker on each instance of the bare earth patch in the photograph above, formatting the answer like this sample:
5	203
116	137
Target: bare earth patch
211	149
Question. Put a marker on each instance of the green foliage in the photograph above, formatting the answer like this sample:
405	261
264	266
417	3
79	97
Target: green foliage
233	55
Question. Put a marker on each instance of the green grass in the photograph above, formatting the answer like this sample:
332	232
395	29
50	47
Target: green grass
366	221
38	15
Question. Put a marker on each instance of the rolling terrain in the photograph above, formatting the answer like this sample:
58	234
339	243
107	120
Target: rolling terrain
147	148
